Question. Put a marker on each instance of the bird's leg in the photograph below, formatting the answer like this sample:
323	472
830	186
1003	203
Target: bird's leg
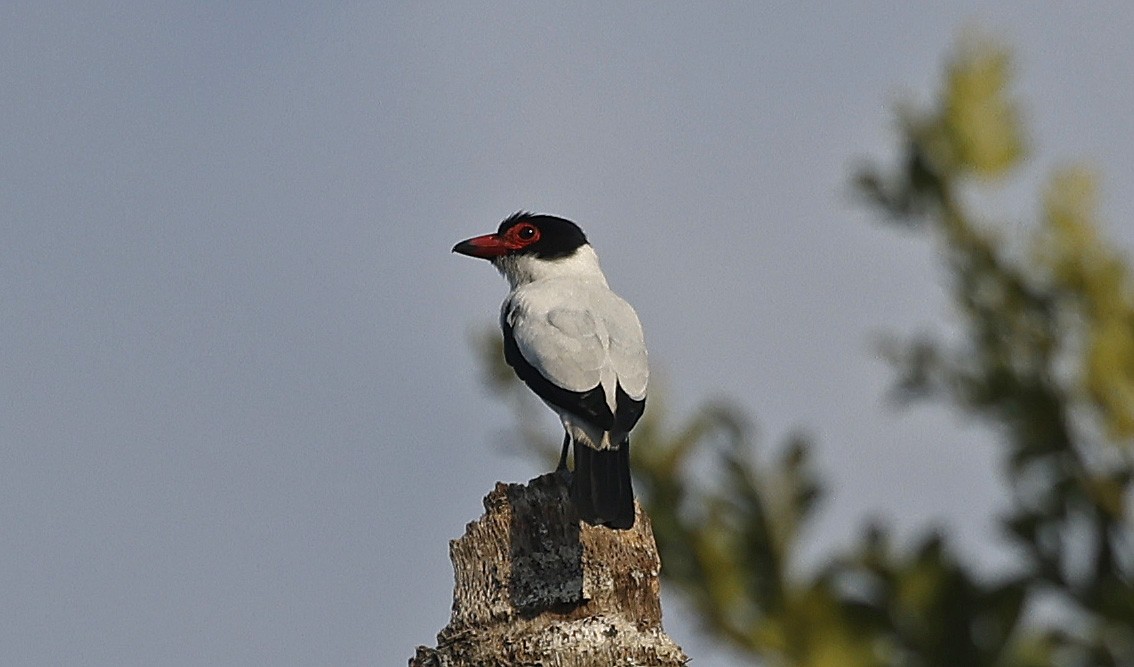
562	467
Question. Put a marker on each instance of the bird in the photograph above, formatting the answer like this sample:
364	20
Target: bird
578	346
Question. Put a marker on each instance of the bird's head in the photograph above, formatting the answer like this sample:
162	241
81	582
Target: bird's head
542	236
528	246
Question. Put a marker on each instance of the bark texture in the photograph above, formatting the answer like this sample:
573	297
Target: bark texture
535	586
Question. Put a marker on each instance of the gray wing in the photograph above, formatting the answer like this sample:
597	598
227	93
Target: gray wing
583	342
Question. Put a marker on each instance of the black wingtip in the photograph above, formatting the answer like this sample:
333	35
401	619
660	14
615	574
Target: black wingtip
602	491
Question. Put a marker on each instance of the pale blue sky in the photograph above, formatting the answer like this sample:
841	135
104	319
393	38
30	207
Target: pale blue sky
240	417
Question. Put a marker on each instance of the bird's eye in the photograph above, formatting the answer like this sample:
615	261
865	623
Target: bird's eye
527	233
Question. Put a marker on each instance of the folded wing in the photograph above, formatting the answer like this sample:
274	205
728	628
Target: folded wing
579	353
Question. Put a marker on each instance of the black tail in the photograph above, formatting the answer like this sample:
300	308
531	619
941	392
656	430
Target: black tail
602	490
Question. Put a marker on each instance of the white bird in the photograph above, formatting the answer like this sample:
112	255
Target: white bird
578	346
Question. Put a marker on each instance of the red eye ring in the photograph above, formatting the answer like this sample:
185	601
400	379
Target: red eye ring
522	235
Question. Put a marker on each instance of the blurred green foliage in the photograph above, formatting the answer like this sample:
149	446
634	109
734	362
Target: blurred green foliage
1045	356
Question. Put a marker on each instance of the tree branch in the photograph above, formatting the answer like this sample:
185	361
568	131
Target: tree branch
534	585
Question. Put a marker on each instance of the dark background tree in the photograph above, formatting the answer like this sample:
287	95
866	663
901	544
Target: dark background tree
1044	354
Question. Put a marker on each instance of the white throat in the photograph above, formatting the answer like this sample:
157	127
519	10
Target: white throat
520	270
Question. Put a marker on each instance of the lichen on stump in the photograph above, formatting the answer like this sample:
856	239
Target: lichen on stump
534	585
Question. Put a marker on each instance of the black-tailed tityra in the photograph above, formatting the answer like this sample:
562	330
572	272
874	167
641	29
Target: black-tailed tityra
578	346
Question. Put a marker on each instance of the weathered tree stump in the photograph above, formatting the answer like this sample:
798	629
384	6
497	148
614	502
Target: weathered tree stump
535	586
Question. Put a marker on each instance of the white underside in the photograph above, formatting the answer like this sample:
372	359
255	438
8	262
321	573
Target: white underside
582	433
